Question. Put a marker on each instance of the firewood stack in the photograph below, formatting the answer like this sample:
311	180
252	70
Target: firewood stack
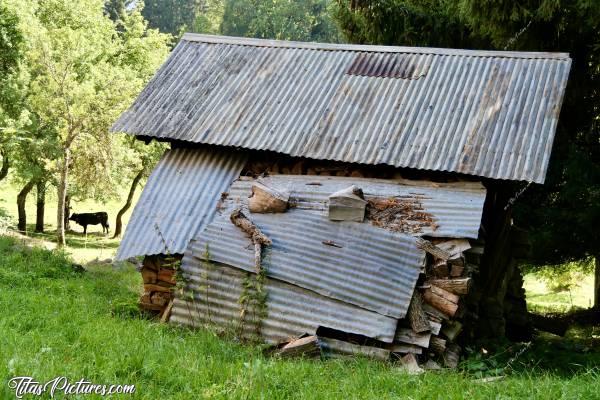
158	275
435	316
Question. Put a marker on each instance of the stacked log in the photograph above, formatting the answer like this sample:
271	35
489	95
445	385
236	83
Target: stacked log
158	275
435	319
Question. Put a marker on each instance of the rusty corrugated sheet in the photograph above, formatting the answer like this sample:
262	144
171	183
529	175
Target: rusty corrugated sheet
213	296
179	199
456	208
490	114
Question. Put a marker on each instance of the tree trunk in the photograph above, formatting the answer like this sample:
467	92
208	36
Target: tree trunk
123	210
40	206
62	194
21	198
67	212
597	282
5	165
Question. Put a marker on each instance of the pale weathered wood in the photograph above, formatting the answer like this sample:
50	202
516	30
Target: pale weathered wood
347	205
452	355
405	335
306	346
410	365
457	286
166	314
435	327
451	329
241	221
405	348
453	246
432	249
434	312
416	315
437	345
431	365
442	302
265	199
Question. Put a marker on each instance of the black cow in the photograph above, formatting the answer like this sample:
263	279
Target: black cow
85	219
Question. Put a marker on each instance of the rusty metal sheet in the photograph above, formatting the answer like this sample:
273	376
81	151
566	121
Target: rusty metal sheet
490	114
179	199
212	297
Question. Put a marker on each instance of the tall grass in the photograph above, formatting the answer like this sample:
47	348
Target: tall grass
59	321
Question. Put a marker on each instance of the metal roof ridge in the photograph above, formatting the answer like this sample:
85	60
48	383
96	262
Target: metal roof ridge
242	41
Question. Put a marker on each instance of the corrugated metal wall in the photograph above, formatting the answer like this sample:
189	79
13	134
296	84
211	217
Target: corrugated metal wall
179	199
490	114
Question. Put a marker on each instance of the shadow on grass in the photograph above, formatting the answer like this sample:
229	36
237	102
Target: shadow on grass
76	240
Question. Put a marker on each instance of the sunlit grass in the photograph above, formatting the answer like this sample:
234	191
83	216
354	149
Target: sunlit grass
61	322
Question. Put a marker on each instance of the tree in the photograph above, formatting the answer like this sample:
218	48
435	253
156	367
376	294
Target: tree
172	16
11	54
84	73
563	214
307	20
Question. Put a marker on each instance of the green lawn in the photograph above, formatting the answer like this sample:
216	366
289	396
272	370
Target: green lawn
81	248
61	322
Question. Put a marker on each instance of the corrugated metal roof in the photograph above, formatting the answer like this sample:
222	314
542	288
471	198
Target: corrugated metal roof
490	114
179	199
456	208
291	311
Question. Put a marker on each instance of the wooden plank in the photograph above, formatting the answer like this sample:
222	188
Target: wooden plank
306	346
432	249
407	336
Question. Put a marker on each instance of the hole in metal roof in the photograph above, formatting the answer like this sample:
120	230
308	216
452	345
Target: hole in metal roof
382	65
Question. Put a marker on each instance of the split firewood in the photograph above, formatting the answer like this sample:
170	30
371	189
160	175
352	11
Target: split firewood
297	168
306	346
456	286
442	300
440	269
258	238
347	205
160	298
404	335
453	246
167	275
150	287
432	249
265	199
435	327
437	345
452	356
451	329
410	365
416	315
148	275
403	348
434	313
456	271
166	314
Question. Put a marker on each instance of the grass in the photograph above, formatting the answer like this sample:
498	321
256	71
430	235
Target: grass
570	290
58	321
83	249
